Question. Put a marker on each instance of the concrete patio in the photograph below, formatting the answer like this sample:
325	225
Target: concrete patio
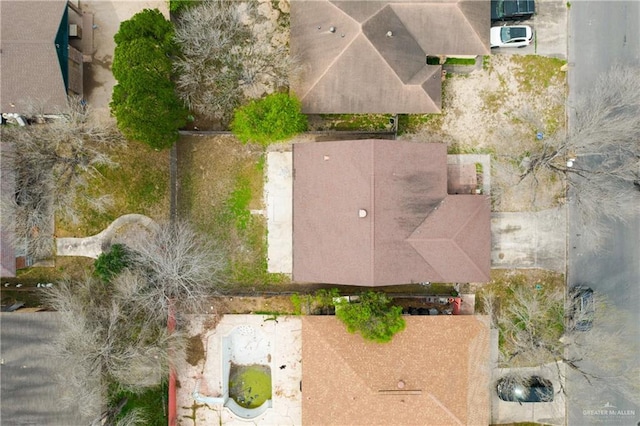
201	384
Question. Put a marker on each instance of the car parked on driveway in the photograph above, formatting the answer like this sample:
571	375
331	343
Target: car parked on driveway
582	308
511	36
512	10
525	389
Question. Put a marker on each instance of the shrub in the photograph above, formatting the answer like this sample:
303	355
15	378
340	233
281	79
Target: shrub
230	52
273	118
111	263
371	316
144	101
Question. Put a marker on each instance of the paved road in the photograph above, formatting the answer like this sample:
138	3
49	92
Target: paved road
602	33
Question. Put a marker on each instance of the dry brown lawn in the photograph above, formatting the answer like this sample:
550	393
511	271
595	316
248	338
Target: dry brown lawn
499	110
220	184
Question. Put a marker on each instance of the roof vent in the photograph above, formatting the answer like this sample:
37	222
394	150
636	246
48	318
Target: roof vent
326	158
332	29
401	384
389	33
362	213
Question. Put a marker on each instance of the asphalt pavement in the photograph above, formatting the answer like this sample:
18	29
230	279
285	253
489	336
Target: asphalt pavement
601	34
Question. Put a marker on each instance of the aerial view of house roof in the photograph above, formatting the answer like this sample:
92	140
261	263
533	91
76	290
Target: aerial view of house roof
376	212
35	54
370	56
30	392
435	372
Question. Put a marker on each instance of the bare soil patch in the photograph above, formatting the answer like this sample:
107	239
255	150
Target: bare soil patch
500	109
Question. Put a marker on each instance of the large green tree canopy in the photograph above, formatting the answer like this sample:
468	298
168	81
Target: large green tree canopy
144	100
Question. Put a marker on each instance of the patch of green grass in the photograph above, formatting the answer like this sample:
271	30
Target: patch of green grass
412	123
153	404
536	73
362	122
468	149
460	61
486	63
140	184
238	203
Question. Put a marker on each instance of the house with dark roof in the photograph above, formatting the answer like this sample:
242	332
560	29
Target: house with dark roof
377	212
41	50
30	390
435	372
371	56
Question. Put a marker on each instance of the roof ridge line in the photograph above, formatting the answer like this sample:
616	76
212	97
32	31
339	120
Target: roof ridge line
477	36
455	236
338	56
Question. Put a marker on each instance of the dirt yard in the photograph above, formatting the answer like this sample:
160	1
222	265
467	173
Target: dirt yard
500	109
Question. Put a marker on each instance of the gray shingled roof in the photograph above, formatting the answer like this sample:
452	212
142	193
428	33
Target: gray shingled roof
29	392
375	60
29	66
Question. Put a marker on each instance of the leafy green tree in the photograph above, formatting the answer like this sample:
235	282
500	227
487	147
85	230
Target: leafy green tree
274	118
372	316
151	24
144	101
112	262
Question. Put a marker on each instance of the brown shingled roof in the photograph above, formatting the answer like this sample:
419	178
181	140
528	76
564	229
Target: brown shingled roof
375	59
412	232
29	65
442	362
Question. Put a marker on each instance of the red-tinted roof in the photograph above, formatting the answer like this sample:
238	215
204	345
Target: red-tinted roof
412	231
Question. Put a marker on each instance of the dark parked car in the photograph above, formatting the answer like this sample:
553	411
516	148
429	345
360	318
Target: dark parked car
525	389
512	10
582	308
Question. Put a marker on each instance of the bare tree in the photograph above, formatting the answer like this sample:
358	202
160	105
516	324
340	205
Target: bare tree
105	340
536	329
601	154
230	52
175	266
53	163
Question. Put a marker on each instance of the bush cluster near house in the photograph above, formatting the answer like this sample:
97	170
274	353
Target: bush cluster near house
274	118
112	262
144	100
231	52
371	316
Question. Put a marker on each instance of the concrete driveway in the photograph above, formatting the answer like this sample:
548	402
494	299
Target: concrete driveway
551	413
550	27
529	240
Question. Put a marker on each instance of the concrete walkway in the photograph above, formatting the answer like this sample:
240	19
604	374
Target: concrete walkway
94	245
278	195
529	240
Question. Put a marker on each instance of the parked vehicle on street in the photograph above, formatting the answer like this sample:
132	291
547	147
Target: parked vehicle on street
582	308
511	36
525	389
512	10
